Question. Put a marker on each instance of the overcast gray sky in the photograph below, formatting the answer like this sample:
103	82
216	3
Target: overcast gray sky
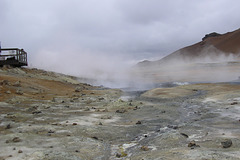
75	36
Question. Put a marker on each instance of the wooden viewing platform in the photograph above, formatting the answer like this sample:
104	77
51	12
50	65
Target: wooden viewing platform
13	56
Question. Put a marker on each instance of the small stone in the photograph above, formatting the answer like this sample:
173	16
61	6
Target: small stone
94	137
51	131
87	109
105	110
10	156
76	150
100	123
139	122
74	124
16	139
78	89
144	148
8	126
136	107
234	103
4	82
19	92
14	148
36	112
8	92
122	110
193	144
226	143
20	151
101	98
118	155
17	84
184	134
106	117
172	126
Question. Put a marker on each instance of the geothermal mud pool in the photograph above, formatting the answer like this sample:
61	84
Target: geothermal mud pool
45	115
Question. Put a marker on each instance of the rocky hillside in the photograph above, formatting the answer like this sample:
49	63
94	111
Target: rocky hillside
212	46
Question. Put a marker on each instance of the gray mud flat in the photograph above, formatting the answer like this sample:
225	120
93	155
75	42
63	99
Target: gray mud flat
200	121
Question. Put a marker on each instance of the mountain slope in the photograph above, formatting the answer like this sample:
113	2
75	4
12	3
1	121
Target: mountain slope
212	46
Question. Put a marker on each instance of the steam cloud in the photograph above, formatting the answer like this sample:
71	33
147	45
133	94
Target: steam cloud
102	39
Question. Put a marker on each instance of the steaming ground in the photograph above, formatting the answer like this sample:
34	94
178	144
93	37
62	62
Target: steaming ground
153	76
46	115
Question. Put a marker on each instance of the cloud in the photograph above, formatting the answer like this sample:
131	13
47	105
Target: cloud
100	32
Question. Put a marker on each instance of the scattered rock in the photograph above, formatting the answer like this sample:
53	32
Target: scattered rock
106	117
36	112
74	124
8	126
51	131
94	137
19	92
193	144
184	134
101	98
87	109
105	110
20	151
226	143
173	126
16	139
17	84
120	100
100	123
234	103
77	151
122	110
139	122
144	148
78	89
58	100
4	82
8	92
118	155
136	107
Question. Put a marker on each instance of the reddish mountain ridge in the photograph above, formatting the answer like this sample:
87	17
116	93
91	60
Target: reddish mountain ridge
212	46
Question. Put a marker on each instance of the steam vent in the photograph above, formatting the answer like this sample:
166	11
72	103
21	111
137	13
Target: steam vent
13	56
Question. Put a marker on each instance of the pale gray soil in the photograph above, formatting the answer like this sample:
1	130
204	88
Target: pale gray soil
56	117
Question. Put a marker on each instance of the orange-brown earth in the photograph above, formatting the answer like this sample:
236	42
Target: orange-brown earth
46	115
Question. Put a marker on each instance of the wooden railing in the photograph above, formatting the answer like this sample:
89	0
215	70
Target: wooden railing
13	56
